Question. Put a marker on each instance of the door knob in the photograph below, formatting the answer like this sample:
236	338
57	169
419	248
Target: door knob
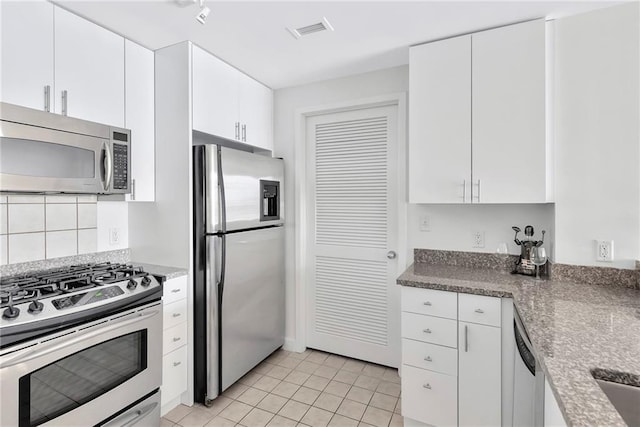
391	255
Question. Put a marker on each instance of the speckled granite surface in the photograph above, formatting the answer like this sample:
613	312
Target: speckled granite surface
163	271
604	276
121	255
574	328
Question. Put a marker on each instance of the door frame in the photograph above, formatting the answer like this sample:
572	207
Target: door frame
302	245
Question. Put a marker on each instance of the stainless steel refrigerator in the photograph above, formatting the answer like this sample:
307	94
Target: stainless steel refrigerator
239	264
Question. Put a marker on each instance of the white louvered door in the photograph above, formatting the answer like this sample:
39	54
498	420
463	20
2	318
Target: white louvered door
353	302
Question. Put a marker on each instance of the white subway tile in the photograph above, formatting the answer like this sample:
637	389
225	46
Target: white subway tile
61	217
87	241
26	199
62	243
61	199
3	199
3	250
26	218
87	215
87	198
26	247
3	219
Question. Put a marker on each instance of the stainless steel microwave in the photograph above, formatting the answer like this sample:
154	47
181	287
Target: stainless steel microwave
42	152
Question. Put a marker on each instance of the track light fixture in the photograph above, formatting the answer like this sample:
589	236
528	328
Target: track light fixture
203	14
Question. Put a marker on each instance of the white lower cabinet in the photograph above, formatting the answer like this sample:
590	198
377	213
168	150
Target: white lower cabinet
174	343
452	369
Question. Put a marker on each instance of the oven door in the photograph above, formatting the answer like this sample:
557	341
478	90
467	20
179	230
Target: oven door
84	375
36	159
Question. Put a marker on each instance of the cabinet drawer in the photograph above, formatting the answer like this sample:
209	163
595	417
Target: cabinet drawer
430	356
174	374
173	338
174	289
431	302
429	397
430	329
174	313
479	309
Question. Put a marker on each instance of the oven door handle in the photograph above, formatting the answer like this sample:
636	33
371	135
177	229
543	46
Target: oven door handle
39	350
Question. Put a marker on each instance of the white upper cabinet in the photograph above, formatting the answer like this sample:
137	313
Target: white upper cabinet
439	113
256	103
230	104
477	130
26	66
89	69
215	96
509	153
140	118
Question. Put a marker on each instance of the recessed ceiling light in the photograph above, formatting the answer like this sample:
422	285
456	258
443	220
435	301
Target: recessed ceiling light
323	25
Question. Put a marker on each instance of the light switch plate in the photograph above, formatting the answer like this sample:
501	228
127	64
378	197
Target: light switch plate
114	236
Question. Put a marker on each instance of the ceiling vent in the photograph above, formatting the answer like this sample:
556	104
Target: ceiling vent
324	25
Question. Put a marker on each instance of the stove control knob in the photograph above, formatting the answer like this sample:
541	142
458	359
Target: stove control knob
146	281
10	312
132	284
35	307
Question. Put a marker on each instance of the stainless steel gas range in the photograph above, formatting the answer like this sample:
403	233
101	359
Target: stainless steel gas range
81	346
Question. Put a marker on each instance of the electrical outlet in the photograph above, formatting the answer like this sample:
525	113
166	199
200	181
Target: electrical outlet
477	239
114	236
425	223
604	250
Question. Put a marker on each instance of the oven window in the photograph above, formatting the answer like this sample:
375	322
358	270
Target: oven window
75	380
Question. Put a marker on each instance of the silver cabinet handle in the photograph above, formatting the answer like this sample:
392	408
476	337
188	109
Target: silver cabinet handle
466	338
477	196
464	190
427	303
391	255
177	363
244	133
426	331
176	339
175	291
133	189
427	386
64	102
47	98
428	359
238	131
176	314
479	310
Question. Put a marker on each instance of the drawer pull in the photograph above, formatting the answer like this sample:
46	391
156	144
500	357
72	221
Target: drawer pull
176	315
176	339
428	303
175	291
479	310
177	363
428	359
427	386
426	331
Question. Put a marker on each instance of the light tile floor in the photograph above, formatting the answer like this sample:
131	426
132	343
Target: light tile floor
302	389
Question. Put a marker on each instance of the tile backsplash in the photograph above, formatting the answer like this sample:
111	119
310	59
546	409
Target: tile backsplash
42	227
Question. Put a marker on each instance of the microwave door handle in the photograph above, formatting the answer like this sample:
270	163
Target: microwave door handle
107	166
40	350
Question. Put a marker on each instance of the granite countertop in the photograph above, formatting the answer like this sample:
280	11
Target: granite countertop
163	271
574	328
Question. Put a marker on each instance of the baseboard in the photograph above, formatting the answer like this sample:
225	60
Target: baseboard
169	406
290	344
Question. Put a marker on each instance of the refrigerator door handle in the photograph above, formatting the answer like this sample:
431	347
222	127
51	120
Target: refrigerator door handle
221	195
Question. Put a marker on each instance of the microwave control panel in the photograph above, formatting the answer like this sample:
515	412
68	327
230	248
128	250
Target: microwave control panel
120	166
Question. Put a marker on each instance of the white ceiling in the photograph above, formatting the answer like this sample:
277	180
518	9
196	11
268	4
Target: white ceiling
369	35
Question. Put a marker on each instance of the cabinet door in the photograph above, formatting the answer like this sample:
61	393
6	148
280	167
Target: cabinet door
26	53
509	153
215	96
256	113
139	117
479	375
89	65
440	122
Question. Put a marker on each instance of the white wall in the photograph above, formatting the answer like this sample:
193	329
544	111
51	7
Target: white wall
597	135
451	226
